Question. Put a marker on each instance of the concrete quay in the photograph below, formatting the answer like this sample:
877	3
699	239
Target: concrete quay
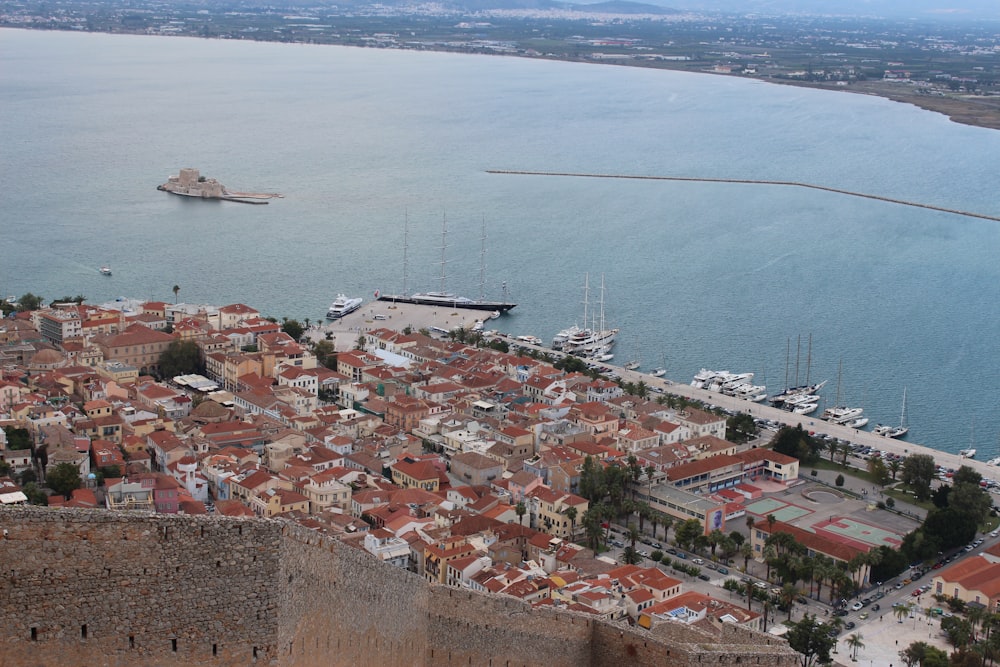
375	314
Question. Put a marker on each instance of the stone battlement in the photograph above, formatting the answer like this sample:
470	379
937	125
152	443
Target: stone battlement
119	588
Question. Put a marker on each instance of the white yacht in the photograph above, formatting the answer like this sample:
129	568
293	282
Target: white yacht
805	408
658	372
967	453
858	423
704	377
841	415
105	270
343	305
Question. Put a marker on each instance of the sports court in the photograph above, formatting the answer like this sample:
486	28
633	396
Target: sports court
857	533
782	511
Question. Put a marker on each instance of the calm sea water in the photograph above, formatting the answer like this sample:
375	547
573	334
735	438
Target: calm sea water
697	274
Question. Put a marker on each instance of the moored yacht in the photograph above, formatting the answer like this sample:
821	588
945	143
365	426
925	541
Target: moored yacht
967	453
841	415
858	423
343	305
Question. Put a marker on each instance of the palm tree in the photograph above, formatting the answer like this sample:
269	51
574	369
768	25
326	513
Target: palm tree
571	515
854	641
747	552
767	606
834	447
895	466
901	611
749	522
787	597
976	615
177	288
668	522
770	553
771	520
521	509
845	449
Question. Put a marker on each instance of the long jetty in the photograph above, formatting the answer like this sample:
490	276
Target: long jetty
748	181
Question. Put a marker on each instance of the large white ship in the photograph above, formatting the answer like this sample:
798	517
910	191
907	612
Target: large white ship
587	341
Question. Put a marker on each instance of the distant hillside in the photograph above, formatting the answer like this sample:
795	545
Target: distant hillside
940	9
624	7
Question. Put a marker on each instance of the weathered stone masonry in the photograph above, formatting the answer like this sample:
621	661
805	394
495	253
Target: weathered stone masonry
126	589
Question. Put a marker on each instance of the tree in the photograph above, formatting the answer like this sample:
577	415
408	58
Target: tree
876	466
326	354
521	510
747	552
839	482
293	328
798	443
957	630
35	495
901	611
970	500
854	641
181	358
17	438
921	654
571	513
64	478
29	302
895	466
918	473
812	639
687	532
176	289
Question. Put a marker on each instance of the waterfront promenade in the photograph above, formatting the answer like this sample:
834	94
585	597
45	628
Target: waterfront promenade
808	422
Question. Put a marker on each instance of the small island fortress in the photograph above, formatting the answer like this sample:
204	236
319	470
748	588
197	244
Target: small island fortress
190	183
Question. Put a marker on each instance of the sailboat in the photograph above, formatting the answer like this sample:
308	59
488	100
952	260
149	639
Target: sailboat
840	414
897	431
634	363
444	298
589	341
970	453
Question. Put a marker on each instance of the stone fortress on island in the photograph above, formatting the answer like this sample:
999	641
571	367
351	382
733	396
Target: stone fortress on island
119	588
190	183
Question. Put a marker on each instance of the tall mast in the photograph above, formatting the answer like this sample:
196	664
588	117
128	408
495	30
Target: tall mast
406	232
602	303
482	265
798	353
809	358
788	350
444	247
586	298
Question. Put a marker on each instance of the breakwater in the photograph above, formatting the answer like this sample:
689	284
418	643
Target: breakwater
750	181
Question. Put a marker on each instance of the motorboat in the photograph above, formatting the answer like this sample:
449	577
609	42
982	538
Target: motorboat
841	415
805	408
658	372
105	270
858	423
967	453
343	305
631	365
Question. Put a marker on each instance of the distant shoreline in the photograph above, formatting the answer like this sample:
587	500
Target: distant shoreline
973	110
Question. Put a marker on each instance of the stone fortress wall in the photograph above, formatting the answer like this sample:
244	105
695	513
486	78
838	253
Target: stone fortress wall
101	588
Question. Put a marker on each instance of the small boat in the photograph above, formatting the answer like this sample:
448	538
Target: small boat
967	453
343	305
994	462
897	431
858	423
631	365
105	270
805	408
658	372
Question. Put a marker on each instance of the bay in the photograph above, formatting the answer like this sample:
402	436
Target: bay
697	274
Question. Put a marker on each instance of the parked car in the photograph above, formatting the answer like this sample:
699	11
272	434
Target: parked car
723	570
704	577
697	561
681	555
